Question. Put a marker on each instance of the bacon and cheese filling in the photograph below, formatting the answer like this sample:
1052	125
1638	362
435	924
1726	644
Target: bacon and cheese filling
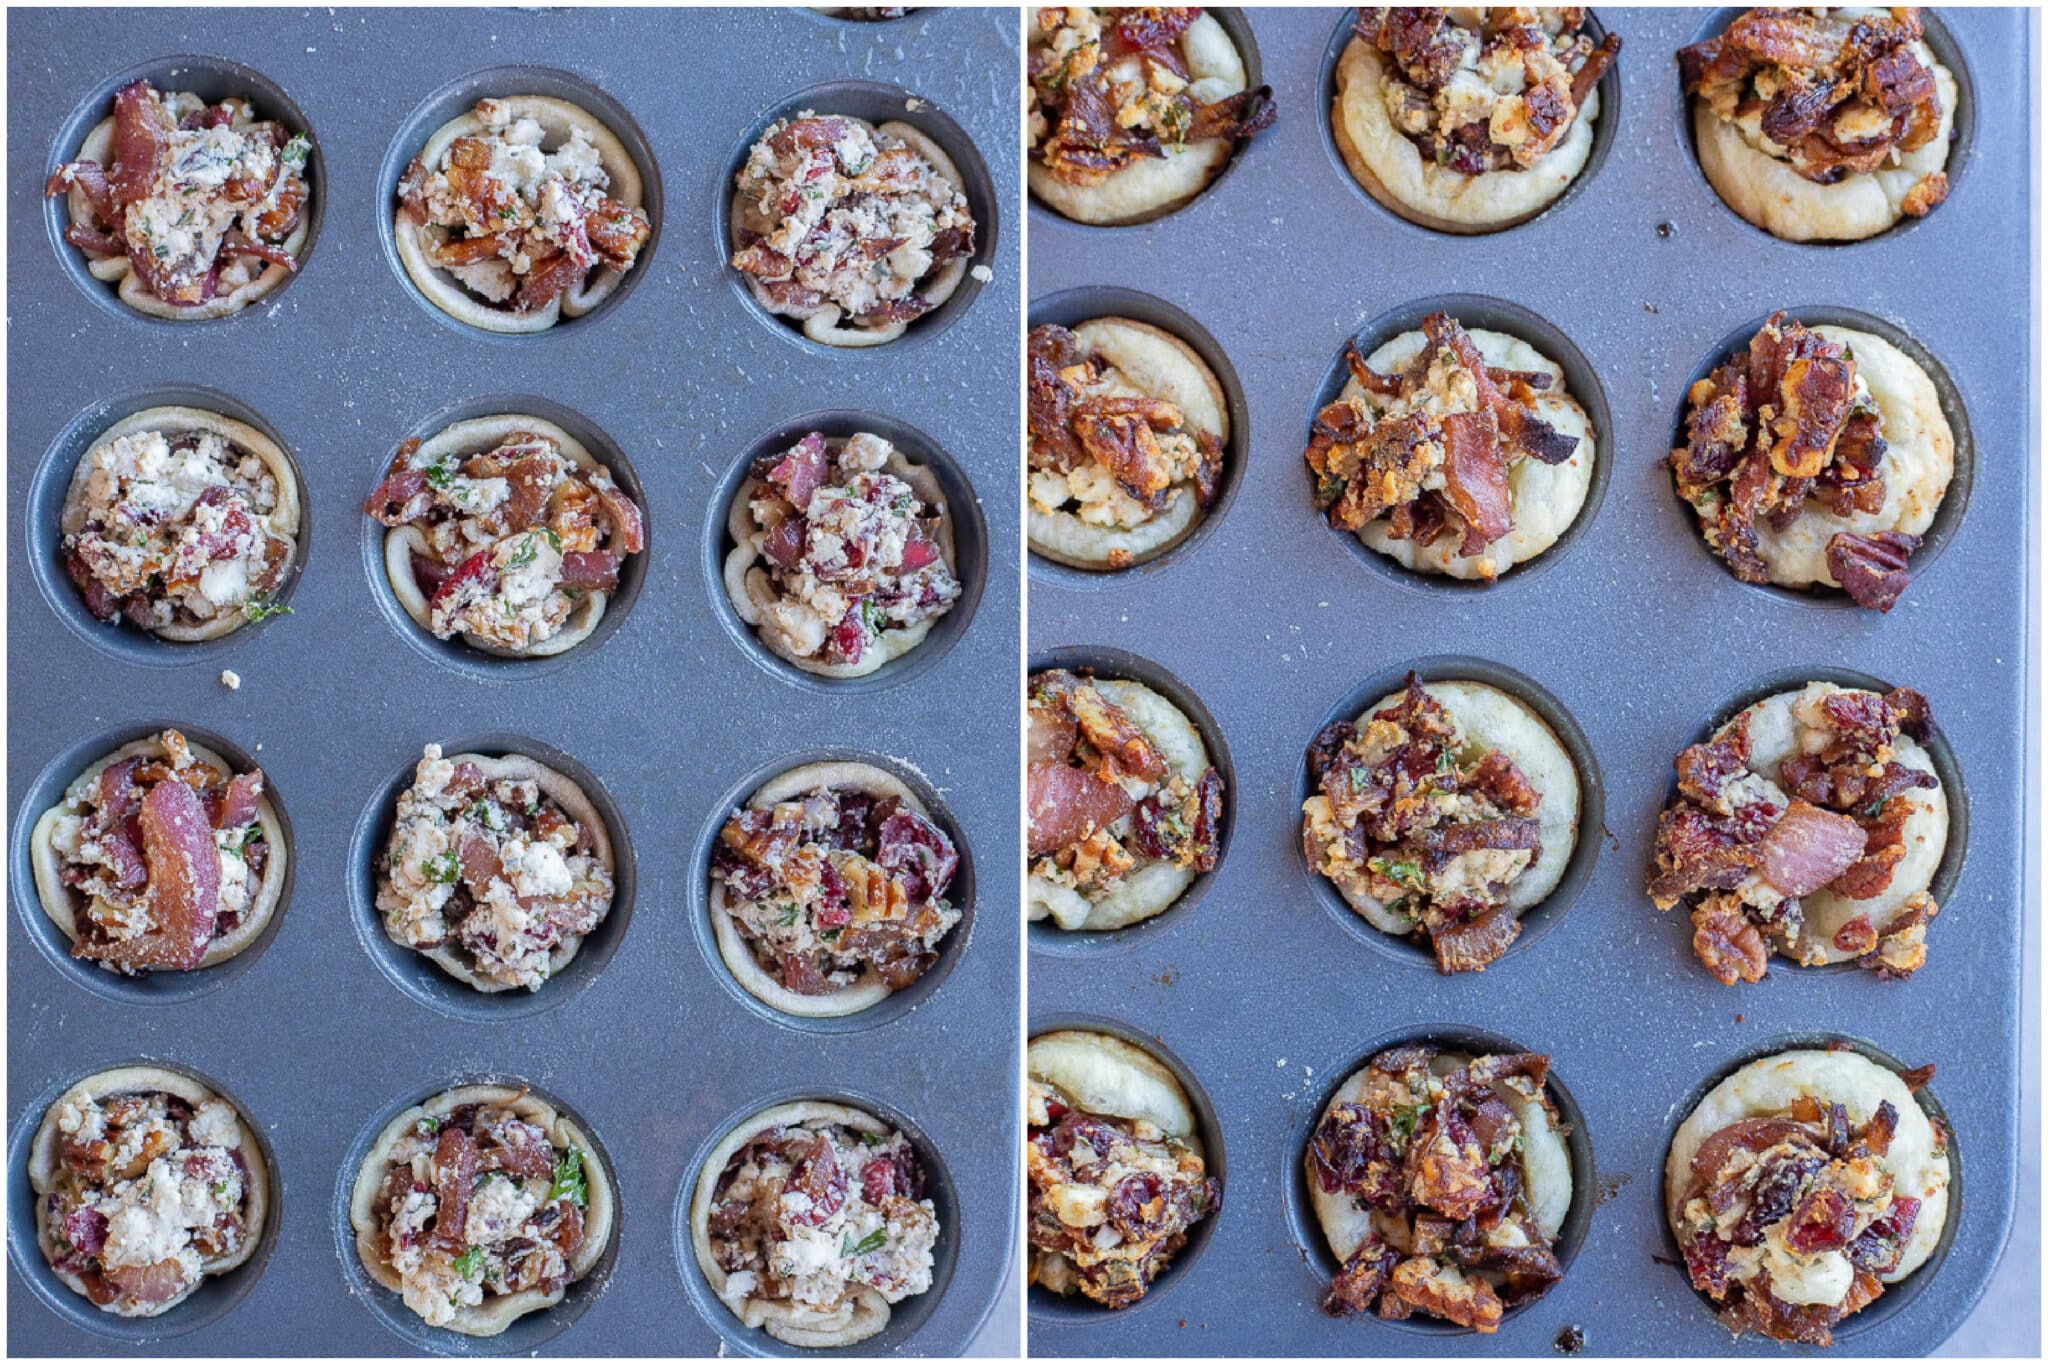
160	854
1112	1198
847	557
814	1214
199	198
150	1194
479	1204
516	224
507	543
837	218
836	885
173	529
493	872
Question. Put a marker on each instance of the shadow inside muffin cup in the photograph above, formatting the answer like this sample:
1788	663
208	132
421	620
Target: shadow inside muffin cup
1070	308
216	1296
1947	517
876	103
905	1318
964	519
1895	1298
1939	752
1546	914
525	1334
212	79
1100	661
1962	133
1581	383
960	893
150	988
1043	1304
419	976
43	528
1608	87
456	652
1321	1262
1237	23
459	97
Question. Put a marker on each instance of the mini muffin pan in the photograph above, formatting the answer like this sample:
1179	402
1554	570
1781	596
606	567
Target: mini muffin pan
324	1028
1264	989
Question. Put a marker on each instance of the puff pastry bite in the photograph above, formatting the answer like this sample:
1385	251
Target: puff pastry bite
1805	1185
1469	119
1132	112
1822	124
1816	459
189	209
1811	825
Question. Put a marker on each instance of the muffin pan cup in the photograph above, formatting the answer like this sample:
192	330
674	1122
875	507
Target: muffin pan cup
1637	633
666	714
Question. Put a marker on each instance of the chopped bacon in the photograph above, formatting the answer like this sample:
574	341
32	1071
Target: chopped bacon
184	881
1067	804
586	571
151	1284
454	1173
1476	478
799	471
475	569
142	138
627	524
1807	849
237	800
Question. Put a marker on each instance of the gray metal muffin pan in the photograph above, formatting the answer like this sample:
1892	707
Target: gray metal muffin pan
1262	990
323	1026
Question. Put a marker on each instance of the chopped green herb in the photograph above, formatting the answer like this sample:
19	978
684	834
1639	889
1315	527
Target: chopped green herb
429	1125
440	473
788	915
469	1262
295	152
872	1242
442	868
249	841
570	1182
259	607
872	1140
1408	874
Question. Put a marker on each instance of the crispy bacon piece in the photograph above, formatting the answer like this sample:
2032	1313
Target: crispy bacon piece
1471	946
797	472
142	140
235	803
156	1283
590	571
1807	849
1067	804
1476	478
454	1173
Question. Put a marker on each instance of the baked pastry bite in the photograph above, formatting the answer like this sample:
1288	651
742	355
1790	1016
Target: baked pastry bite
1803	1186
1817	459
497	869
146	1183
506	531
810	1221
189	209
842	557
1810	825
828	889
480	1205
1127	426
1132	112
1117	1177
181	522
1126	809
1823	124
523	211
1440	1180
1443	814
850	229
160	857
1453	452
1469	120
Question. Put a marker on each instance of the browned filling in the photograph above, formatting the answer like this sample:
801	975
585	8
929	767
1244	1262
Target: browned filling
1400	817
